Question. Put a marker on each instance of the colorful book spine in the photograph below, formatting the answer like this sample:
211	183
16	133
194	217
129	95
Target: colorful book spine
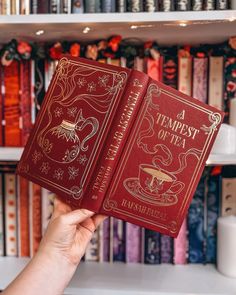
92	6
209	4
135	5
167	5
12	105
151	247
47	207
2	90
65	6
216	81
154	67
185	75
121	5
43	6
108	6
92	251
54	6
118	240
151	5
25	7
1	219
25	96
23	217
183	5
222	4
105	240
213	199
33	104
170	71
133	243
34	6
35	218
77	6
196	224
166	249
197	5
181	245
200	72
136	88
10	214
230	81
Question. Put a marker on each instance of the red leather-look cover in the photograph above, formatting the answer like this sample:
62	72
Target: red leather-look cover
163	160
72	125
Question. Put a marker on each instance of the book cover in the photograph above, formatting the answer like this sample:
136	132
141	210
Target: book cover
81	119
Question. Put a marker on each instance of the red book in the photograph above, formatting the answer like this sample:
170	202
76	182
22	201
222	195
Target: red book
117	142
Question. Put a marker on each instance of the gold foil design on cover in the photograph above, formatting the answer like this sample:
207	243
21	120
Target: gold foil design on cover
72	124
169	150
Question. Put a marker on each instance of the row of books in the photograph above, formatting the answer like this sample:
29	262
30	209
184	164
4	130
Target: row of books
25	209
209	79
8	7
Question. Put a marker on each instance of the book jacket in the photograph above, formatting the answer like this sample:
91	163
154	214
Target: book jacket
137	144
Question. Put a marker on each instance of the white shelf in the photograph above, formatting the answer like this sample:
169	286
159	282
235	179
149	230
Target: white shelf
202	26
221	159
134	279
10	153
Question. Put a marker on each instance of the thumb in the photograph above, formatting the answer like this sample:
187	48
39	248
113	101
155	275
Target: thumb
77	216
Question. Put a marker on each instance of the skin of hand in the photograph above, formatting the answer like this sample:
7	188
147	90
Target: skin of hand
61	249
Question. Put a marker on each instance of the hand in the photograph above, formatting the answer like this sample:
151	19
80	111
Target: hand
69	232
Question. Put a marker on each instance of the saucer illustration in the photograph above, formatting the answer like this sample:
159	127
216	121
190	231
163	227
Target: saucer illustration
132	185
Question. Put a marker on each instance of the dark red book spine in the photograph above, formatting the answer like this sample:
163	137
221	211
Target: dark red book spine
11	105
115	141
25	104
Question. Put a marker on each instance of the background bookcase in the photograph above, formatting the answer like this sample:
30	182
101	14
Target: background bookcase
167	28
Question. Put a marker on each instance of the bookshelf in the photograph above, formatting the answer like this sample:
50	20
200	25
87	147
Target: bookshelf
133	279
166	28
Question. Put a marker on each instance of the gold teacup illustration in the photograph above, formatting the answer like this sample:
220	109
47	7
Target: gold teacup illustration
154	181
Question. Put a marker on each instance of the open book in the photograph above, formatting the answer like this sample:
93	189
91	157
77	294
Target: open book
115	141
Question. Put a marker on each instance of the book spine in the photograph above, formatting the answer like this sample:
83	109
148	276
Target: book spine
106	240
77	6
222	4
216	82
200	70
33	106
151	5
121	6
43	6
1	218
133	243
233	4
92	251
183	5
197	5
10	214
196	224
35	220
167	5
170	71
1	105
13	7
108	6
54	6
135	5
90	6
230	80
11	105
166	245
25	103
47	207
111	248
65	6
23	217
151	247
213	197
118	240
209	5
228	198
153	68
181	245
185	75
34	6
129	105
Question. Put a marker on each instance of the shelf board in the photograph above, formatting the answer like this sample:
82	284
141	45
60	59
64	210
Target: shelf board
164	27
133	279
10	153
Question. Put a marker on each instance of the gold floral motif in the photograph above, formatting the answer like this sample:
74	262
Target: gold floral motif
45	167
58	174
37	156
73	172
215	119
